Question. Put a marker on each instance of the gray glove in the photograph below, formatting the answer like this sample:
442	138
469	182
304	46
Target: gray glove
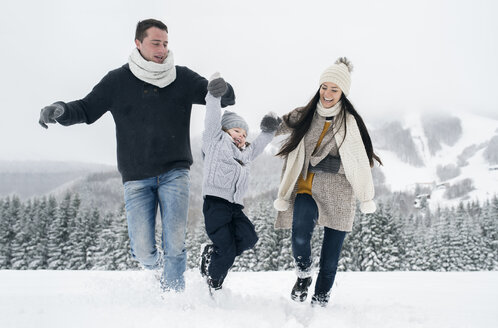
217	85
49	113
270	122
329	164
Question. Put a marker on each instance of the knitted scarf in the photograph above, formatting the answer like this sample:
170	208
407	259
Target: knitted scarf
353	158
295	162
156	74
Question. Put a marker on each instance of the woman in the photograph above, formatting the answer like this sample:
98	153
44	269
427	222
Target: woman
328	160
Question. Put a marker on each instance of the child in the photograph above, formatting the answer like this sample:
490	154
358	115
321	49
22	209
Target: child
226	173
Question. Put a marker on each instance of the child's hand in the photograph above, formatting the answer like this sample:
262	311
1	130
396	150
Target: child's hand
270	122
217	85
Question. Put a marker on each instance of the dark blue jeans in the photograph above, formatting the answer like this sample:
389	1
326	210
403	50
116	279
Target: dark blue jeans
230	231
303	223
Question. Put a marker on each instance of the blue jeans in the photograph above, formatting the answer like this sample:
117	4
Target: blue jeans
171	192
303	223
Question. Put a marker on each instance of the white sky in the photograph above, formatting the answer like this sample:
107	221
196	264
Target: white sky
408	56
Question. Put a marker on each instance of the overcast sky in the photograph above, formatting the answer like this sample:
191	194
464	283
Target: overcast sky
407	55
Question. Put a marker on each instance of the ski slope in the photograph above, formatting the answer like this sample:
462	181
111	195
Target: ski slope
249	299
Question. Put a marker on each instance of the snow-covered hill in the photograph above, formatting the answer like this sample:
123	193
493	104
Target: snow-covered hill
256	299
448	158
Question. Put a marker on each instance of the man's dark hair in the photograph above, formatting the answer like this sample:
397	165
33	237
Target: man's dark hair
143	26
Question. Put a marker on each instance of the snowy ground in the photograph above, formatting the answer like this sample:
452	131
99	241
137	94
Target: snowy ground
131	299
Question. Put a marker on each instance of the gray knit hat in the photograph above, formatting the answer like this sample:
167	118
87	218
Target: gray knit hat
340	74
231	120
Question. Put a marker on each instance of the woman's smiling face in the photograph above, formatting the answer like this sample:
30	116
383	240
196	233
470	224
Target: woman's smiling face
330	94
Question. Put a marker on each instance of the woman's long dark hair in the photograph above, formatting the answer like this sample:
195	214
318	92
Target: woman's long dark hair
302	126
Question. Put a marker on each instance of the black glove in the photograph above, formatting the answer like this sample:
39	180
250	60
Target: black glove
270	122
329	164
217	85
49	113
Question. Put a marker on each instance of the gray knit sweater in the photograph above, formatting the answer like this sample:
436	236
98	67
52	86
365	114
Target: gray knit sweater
226	167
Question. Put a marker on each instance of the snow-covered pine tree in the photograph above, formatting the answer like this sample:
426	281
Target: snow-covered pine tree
438	254
10	213
267	249
285	259
489	234
369	243
83	240
92	231
196	236
106	245
34	233
381	241
47	215
22	225
59	235
122	253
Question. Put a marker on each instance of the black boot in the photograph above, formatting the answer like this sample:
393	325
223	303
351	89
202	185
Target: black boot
207	250
214	285
320	299
300	289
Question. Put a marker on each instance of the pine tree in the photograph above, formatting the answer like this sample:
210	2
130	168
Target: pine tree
196	236
83	240
106	245
489	235
370	244
122	253
47	214
10	214
266	251
21	237
59	235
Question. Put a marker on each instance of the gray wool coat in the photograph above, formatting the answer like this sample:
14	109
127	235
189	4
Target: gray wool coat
332	193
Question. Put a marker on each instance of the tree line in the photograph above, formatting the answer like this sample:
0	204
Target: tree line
43	233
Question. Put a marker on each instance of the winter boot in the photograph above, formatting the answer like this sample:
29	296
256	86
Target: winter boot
300	289
214	285
207	250
320	300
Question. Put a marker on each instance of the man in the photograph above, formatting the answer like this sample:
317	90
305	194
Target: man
150	100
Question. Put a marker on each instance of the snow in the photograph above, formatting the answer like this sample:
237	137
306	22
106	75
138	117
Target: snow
476	130
248	299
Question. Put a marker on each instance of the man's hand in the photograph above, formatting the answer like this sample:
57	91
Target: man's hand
217	85
49	113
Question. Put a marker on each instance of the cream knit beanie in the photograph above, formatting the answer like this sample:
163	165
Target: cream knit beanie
340	74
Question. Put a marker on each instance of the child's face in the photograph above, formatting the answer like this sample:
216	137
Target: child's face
239	136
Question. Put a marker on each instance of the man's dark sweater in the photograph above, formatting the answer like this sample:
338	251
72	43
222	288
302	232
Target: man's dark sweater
152	123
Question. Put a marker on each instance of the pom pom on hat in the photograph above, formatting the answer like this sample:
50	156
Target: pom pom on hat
340	74
231	120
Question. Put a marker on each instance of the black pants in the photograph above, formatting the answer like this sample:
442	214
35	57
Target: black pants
230	231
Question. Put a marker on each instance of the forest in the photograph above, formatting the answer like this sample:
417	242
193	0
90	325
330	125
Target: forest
43	233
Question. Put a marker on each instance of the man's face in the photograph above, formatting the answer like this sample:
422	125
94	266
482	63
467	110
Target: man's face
154	47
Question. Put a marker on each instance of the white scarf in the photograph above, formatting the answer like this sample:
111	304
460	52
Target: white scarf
353	157
156	74
295	162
